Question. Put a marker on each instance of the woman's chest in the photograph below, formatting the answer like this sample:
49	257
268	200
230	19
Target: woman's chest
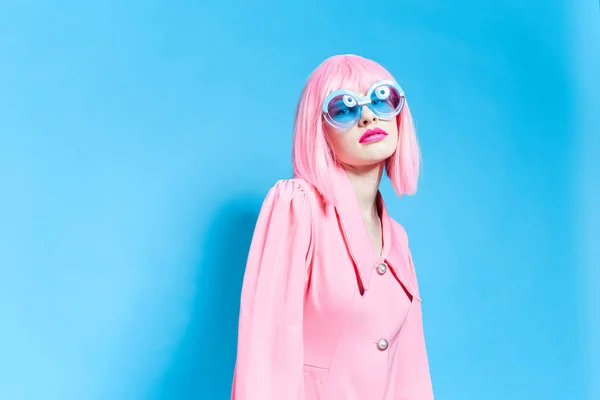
335	294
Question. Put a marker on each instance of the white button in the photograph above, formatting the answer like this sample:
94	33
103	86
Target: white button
382	344
382	268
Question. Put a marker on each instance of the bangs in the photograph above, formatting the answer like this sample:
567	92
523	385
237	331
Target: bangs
352	74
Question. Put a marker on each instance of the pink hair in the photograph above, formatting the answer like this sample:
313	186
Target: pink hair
312	155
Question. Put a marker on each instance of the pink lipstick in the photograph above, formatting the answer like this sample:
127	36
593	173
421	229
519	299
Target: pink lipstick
373	135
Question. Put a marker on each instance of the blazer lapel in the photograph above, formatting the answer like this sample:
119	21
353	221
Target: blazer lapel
400	261
355	232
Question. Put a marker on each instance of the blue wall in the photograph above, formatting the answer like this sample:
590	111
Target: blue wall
137	142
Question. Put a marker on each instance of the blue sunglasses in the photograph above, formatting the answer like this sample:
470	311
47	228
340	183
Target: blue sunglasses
343	108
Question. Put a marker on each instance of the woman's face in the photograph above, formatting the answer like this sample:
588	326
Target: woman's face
370	141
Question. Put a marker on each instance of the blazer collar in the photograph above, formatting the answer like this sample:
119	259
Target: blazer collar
395	248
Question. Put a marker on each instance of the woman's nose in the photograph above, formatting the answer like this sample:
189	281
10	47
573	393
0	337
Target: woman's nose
367	117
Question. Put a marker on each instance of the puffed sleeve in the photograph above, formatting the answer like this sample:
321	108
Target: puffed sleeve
414	381
269	361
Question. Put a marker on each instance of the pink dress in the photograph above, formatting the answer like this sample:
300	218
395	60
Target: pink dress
322	317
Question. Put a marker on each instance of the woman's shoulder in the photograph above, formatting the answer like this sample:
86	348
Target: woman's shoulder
399	231
287	190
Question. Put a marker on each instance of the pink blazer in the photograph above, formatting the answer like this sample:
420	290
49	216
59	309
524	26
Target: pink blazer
322	317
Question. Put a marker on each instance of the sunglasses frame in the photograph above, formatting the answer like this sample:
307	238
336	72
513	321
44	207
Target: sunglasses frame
362	101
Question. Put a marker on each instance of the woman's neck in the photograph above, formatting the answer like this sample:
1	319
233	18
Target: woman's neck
365	181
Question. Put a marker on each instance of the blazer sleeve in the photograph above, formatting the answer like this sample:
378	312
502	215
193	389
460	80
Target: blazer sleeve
414	381
269	363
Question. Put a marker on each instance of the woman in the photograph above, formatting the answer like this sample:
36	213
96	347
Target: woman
330	306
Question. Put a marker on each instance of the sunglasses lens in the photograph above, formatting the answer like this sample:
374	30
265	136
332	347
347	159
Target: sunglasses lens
343	109
386	100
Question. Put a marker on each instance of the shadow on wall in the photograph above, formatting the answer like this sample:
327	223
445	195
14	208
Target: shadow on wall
202	366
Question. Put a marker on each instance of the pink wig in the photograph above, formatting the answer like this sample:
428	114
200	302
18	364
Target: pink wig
313	157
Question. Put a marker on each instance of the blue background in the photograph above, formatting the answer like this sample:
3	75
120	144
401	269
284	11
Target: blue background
138	140
586	58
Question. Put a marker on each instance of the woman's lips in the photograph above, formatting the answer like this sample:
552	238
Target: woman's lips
373	135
